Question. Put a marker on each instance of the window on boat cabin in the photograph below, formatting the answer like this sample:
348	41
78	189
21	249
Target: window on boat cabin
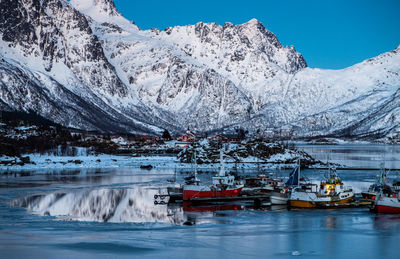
341	186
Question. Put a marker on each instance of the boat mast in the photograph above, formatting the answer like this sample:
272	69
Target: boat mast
175	175
221	160
298	175
195	164
382	177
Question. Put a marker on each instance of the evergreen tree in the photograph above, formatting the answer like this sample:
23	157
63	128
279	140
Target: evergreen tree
166	135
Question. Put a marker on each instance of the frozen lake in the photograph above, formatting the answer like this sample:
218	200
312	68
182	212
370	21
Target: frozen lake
109	213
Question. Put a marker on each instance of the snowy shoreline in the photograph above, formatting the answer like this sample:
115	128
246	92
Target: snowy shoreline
38	162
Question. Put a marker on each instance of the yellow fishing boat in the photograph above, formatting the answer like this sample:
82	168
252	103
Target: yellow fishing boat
332	190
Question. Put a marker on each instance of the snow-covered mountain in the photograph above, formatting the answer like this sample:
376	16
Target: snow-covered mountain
81	64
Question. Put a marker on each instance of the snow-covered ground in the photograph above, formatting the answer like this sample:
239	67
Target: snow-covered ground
123	161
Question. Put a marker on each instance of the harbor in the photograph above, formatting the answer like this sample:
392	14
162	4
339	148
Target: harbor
116	206
294	191
90	207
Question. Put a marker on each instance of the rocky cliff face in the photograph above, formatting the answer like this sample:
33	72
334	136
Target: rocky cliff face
54	32
82	64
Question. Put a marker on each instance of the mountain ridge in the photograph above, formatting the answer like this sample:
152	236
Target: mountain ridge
205	76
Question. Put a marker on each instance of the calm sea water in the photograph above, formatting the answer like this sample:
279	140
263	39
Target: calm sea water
356	155
111	214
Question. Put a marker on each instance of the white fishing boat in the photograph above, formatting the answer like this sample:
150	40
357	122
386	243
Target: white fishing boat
282	194
280	198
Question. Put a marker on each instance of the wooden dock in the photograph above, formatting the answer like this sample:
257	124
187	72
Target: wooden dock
263	200
258	200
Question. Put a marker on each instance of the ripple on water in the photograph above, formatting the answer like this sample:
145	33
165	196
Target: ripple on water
113	248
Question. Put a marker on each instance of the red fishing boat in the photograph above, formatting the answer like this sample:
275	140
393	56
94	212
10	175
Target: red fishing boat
387	200
223	185
387	204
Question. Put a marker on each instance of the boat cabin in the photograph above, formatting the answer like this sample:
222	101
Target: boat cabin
223	180
307	187
329	188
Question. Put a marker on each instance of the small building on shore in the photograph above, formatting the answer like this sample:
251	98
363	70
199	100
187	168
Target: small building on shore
186	139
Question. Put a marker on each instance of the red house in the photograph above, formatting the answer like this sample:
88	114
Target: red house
189	136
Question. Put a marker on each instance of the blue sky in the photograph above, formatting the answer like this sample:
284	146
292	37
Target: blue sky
330	34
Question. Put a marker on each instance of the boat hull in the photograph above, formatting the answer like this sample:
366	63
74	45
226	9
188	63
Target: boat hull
279	198
189	194
388	205
316	203
387	209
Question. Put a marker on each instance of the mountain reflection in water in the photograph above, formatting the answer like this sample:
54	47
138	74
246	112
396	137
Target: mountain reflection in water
102	205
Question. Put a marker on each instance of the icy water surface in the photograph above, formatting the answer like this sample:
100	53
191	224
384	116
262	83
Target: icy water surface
111	214
356	155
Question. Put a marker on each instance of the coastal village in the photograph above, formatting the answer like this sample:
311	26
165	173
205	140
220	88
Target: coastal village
23	140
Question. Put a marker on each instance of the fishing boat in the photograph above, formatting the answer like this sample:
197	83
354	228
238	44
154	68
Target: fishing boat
223	185
174	190
174	193
373	190
396	185
386	202
330	191
281	195
261	183
379	185
280	198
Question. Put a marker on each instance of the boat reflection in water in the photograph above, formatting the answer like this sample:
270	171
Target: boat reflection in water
209	207
209	212
389	222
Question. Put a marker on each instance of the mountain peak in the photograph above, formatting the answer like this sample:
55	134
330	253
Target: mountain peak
253	21
99	10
